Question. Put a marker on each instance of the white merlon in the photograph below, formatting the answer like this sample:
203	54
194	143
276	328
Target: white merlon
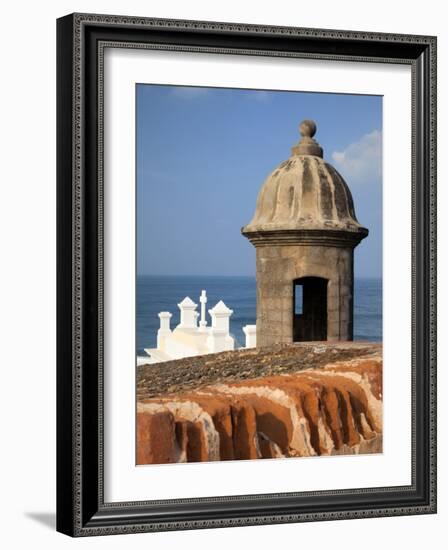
251	335
188	315
220	315
164	329
219	336
165	317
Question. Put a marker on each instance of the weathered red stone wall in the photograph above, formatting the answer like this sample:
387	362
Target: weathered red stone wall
336	409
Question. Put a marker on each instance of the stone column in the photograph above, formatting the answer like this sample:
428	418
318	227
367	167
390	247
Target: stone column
275	275
340	298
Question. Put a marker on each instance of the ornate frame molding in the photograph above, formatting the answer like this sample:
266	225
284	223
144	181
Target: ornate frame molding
81	42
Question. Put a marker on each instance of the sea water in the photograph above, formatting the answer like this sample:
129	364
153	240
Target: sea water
163	293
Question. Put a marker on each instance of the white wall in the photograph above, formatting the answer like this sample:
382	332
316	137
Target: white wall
27	303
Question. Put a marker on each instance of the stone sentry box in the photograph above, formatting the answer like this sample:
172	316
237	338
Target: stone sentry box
304	230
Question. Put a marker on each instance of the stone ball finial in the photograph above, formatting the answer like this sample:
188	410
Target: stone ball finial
307	145
307	128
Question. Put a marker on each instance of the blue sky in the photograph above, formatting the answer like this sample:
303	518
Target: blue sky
203	154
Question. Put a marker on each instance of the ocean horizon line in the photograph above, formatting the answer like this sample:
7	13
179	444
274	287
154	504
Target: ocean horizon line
230	276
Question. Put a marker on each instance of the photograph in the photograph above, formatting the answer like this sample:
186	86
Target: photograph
259	271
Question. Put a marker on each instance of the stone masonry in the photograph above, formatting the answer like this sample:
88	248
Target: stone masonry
304	230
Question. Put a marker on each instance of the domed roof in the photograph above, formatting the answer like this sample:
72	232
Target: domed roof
305	193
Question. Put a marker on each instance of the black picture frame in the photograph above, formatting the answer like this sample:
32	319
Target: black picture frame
81	510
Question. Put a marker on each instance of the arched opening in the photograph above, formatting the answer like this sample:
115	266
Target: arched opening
309	309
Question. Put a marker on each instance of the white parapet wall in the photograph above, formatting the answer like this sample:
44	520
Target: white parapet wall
188	339
217	341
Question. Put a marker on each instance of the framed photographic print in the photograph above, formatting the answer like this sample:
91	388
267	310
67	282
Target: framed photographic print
246	274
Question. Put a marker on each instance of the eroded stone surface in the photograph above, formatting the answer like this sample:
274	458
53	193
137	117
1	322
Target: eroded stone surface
192	372
334	407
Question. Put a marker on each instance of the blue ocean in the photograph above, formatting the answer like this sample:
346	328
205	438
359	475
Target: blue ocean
163	293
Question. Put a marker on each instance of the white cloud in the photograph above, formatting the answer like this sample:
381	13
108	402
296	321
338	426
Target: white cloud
188	92
361	162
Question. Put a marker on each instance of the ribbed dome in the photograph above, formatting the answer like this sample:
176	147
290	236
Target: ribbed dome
305	193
